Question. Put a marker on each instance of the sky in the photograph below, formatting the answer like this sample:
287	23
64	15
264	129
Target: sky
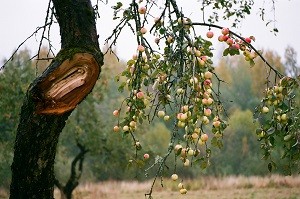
19	19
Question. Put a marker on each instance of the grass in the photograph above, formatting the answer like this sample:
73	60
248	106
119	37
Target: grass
240	187
275	187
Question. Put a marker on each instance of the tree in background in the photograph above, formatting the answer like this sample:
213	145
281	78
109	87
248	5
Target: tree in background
175	83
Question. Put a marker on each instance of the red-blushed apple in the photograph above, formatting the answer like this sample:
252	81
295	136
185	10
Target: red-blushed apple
229	41
209	101
116	112
204	137
207	112
116	128
195	136
208	75
140	95
224	38
143	30
220	38
209	34
248	40
146	156
216	124
174	177
141	48
142	10
225	31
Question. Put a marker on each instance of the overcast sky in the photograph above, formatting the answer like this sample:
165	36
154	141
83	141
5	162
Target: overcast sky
19	19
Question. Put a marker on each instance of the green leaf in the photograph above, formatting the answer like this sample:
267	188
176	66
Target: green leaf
226	52
252	63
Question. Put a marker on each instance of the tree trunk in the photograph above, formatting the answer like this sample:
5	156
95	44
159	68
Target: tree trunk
52	97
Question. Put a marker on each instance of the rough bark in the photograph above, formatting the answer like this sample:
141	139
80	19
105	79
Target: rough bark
51	98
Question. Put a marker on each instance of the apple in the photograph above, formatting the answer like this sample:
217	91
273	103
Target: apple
205	120
209	101
125	128
185	108
197	53
195	136
209	34
216	124
177	147
283	117
225	31
116	112
180	185
204	137
179	91
225	37
142	10
229	41
143	30
236	46
265	109
166	117
161	114
194	80
186	163
116	128
141	48
207	112
183	117
146	156
140	95
174	177
248	40
208	75
201	61
191	152
132	124
183	191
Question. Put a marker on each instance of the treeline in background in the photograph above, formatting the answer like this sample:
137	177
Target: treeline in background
109	153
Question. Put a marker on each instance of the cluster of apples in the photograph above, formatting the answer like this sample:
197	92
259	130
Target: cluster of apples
274	97
180	185
236	43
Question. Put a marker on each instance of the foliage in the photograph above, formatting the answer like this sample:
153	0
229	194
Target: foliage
14	82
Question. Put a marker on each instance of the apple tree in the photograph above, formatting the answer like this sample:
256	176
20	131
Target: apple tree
171	76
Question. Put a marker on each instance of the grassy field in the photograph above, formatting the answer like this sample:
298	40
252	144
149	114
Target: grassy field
273	187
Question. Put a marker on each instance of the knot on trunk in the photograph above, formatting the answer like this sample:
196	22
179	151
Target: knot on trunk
67	85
